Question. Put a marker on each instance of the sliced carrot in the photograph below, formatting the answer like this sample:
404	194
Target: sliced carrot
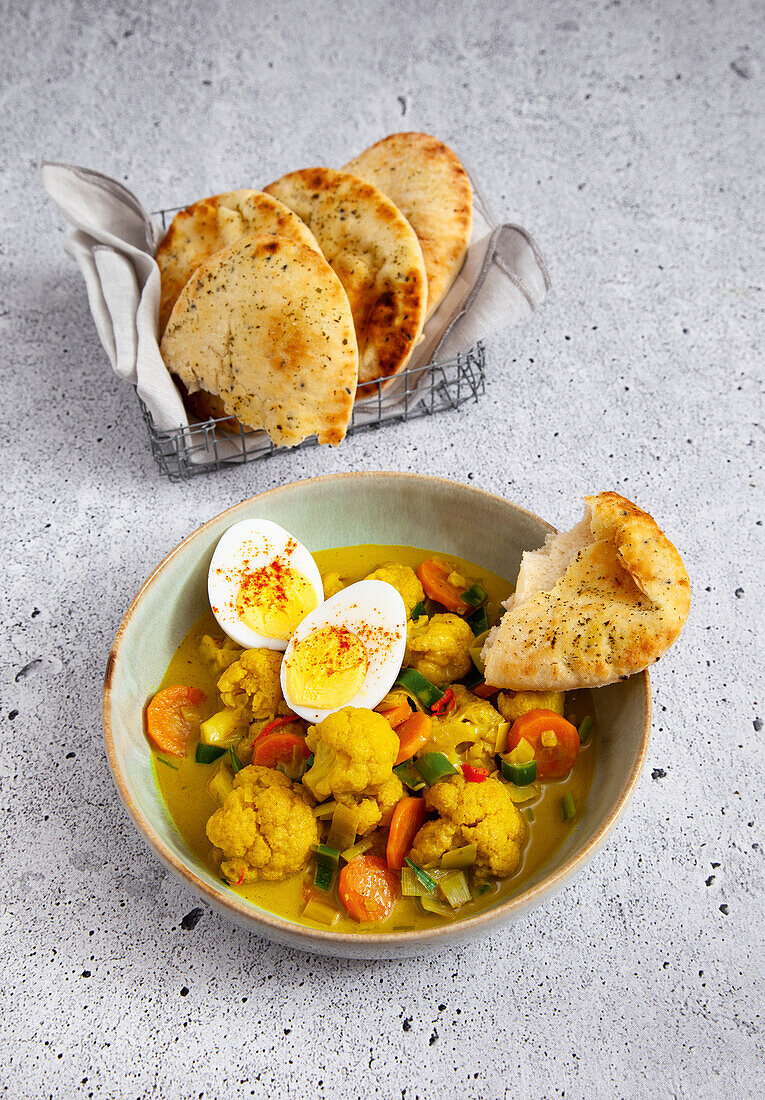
408	818
168	723
484	690
412	735
368	889
398	714
434	578
553	762
278	748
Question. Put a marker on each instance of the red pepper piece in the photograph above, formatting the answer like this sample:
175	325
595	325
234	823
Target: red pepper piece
240	880
474	775
277	722
445	705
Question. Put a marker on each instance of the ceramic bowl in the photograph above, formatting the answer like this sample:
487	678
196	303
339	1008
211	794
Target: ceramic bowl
403	509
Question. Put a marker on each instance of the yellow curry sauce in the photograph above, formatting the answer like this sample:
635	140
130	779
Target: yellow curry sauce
183	782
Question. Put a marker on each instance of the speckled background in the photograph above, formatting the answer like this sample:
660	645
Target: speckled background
625	136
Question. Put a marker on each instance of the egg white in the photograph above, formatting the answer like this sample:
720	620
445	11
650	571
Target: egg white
364	607
259	542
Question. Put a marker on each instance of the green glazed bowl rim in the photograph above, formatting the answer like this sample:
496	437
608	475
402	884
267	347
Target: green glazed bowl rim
286	931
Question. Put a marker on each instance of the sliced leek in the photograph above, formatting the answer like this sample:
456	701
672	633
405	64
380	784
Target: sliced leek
342	831
430	905
500	741
522	794
221	783
455	889
357	849
325	810
223	728
523	753
411	887
321	912
459	857
426	879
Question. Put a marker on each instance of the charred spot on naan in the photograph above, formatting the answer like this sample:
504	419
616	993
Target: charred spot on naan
377	257
429	185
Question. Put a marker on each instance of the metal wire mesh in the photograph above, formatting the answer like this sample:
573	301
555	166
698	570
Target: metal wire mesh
419	391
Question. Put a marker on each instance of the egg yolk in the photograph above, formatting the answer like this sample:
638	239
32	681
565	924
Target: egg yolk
272	600
326	668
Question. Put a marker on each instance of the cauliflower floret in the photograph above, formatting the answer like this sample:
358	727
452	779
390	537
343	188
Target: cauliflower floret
354	753
378	808
440	652
404	580
332	583
513	704
265	827
472	813
469	733
218	653
252	683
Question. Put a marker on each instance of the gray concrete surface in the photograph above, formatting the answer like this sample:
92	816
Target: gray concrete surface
627	137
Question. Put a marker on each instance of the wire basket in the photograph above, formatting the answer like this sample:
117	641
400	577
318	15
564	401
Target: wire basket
424	390
204	446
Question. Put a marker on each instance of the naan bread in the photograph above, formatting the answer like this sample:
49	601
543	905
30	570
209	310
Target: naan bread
431	189
209	225
265	325
595	605
377	257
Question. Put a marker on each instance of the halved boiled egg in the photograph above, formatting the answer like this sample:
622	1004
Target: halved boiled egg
346	653
262	582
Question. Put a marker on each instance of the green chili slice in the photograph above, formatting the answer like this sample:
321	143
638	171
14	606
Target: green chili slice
326	855
236	763
418	610
412	680
409	776
520	774
208	754
568	807
475	595
434	766
324	876
478	621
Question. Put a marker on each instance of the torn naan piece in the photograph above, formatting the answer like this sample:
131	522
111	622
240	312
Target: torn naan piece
592	606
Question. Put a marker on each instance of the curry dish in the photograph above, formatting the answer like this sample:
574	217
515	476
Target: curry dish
435	803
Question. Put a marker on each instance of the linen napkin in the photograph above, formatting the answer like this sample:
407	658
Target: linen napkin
114	239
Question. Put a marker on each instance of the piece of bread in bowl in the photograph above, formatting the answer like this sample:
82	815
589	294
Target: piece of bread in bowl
594	605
